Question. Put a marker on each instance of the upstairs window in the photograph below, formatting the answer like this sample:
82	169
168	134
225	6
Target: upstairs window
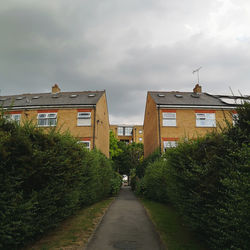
169	119
140	131
124	131
128	131
120	131
46	119
84	119
205	119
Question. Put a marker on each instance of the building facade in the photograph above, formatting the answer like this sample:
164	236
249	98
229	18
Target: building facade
128	133
174	116
84	114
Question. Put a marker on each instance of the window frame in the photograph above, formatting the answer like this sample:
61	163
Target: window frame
87	118
47	118
167	119
84	142
169	144
208	121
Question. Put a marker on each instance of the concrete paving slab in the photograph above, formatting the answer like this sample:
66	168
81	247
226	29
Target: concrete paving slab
125	226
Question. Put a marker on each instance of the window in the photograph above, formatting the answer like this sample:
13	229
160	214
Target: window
128	131
140	139
124	131
140	131
205	120
46	119
169	119
84	119
235	117
169	144
86	144
120	131
13	117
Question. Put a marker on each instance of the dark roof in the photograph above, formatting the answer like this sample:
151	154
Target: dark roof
186	98
50	99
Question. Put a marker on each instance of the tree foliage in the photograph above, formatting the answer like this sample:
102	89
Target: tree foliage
208	181
45	177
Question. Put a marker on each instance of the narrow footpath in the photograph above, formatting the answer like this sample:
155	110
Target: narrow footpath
125	226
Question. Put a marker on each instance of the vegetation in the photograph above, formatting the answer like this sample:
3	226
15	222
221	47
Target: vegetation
75	231
46	177
175	235
126	157
208	181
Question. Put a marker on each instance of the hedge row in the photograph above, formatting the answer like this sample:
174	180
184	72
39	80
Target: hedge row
45	178
208	180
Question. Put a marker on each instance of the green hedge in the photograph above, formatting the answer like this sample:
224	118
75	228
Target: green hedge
208	180
45	177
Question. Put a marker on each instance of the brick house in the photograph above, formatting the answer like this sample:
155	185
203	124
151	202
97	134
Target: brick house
84	114
128	133
173	116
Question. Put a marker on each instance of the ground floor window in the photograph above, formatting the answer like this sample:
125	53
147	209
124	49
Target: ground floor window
169	143
86	144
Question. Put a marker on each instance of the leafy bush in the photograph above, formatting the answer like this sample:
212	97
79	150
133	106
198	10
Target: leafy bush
45	177
208	180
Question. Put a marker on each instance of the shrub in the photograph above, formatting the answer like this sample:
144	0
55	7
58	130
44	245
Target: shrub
208	180
45	177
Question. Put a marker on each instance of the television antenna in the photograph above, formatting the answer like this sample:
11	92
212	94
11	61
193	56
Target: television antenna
197	71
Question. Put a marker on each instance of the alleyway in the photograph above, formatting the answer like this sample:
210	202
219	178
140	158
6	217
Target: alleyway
125	226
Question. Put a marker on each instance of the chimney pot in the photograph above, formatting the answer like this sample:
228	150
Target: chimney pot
197	89
55	89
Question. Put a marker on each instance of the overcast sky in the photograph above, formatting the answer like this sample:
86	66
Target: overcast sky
126	47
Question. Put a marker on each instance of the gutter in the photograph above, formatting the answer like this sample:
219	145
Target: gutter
94	127
159	126
197	107
49	106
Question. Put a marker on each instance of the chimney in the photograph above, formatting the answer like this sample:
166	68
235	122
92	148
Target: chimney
55	89
197	89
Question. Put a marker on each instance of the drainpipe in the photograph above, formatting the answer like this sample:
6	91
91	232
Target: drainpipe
159	127
94	127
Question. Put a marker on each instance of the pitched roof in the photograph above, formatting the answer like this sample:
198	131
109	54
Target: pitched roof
50	99
186	98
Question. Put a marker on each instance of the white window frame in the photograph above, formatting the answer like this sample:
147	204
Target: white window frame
48	117
235	117
140	138
206	120
140	131
86	142
84	119
128	131
169	119
169	144
120	131
13	117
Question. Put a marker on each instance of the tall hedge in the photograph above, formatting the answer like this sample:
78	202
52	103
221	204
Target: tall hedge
208	180
45	177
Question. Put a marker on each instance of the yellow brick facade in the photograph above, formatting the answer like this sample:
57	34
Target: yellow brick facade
155	133
67	121
137	133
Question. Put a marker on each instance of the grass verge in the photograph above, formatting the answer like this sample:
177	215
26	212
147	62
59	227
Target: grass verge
173	232
74	232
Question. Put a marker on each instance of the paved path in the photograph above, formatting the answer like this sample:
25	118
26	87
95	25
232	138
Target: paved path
125	227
